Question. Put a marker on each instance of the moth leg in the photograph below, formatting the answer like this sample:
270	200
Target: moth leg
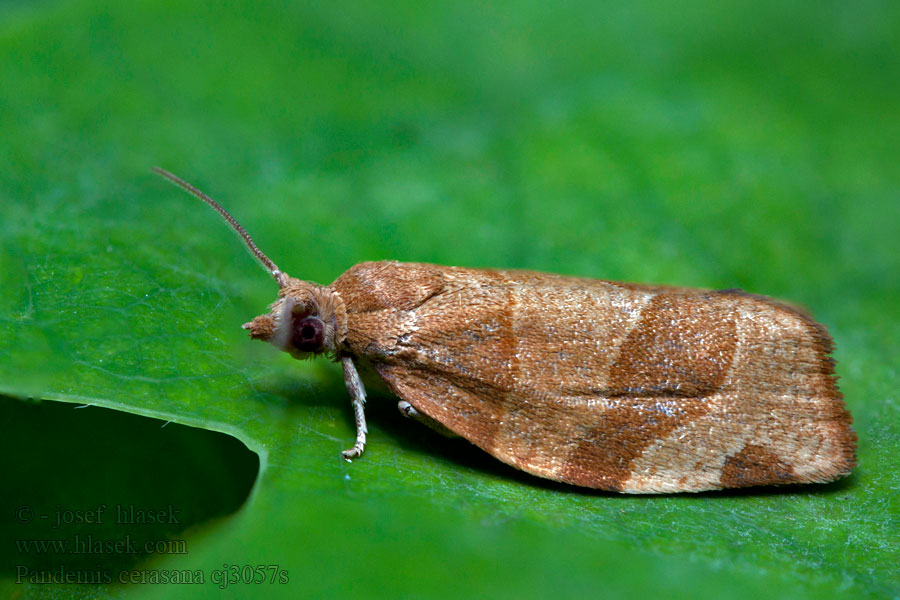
407	410
358	399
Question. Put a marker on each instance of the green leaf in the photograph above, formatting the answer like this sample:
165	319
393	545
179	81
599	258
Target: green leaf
747	145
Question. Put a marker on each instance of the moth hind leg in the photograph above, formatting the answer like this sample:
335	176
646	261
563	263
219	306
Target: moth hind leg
407	410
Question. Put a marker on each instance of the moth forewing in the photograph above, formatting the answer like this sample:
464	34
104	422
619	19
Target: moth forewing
601	384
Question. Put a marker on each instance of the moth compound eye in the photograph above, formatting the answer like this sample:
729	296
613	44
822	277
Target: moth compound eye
308	334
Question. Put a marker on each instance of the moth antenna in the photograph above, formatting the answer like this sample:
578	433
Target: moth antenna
260	256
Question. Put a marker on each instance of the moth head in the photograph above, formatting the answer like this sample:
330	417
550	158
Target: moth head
307	319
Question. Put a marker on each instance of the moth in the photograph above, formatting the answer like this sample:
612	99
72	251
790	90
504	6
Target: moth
617	386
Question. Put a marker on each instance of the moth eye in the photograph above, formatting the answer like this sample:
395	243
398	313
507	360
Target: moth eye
308	334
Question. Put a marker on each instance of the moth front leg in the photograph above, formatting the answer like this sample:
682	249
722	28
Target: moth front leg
407	410
358	399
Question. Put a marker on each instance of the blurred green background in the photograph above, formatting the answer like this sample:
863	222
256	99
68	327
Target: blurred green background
726	144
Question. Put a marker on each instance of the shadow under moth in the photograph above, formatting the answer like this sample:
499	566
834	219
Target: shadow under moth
618	386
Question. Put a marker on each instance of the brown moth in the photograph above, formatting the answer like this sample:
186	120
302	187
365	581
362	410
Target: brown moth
617	386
